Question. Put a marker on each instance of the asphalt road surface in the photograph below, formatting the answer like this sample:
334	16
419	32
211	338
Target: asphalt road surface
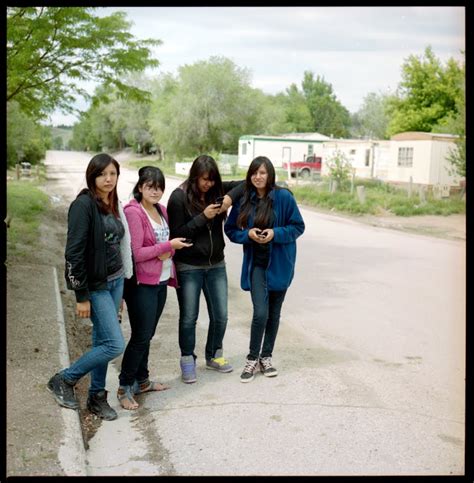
370	353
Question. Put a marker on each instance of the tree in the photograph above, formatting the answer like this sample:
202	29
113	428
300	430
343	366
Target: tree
26	139
329	116
51	50
456	125
427	95
340	168
207	108
371	120
58	143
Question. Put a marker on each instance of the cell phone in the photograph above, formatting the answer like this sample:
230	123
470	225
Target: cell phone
188	240
219	200
259	233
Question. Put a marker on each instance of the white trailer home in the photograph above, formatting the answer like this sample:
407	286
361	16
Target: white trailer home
369	158
288	147
423	156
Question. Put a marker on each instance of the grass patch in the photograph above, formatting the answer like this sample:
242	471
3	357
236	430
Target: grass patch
25	204
380	198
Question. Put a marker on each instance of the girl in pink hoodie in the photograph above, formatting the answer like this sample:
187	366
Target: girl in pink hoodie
154	270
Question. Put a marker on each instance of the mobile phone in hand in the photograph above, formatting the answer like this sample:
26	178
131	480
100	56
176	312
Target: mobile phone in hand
188	240
219	200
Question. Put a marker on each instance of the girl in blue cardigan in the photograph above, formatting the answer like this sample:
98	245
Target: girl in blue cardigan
267	223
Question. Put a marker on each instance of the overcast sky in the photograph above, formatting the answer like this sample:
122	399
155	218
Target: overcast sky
356	49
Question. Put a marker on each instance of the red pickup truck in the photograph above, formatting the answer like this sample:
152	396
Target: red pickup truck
312	164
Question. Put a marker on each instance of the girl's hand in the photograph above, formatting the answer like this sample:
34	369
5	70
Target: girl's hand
212	210
255	234
267	235
226	204
83	309
178	243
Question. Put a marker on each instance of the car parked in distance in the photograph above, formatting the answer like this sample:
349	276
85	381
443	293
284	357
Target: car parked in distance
311	165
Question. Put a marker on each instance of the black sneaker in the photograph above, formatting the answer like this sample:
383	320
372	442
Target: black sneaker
63	392
98	405
249	370
267	368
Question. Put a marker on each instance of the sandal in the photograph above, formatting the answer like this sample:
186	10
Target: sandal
124	395
148	386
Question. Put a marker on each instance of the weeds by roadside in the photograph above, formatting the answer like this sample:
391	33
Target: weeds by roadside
25	202
379	199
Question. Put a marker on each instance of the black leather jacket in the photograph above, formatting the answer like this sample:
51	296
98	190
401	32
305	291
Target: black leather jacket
86	266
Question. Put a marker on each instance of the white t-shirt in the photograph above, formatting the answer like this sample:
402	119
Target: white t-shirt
162	233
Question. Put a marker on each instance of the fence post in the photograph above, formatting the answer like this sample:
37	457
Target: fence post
410	187
361	194
352	182
334	186
17	169
422	194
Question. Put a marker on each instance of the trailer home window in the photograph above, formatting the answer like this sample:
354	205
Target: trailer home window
405	157
310	149
244	149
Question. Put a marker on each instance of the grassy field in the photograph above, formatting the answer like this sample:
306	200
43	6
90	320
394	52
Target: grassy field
25	204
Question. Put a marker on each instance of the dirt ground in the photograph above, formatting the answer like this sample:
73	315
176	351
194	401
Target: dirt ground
50	251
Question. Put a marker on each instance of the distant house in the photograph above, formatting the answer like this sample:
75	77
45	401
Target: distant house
369	158
419	157
423	156
287	147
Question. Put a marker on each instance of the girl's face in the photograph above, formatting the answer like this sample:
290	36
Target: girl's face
106	181
151	195
204	184
259	178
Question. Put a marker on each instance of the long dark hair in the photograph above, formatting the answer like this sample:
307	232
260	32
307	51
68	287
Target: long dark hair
263	214
94	169
202	165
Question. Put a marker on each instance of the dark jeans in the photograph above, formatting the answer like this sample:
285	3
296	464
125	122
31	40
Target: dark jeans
266	315
213	282
144	304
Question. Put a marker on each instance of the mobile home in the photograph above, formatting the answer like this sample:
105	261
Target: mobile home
369	158
422	158
279	149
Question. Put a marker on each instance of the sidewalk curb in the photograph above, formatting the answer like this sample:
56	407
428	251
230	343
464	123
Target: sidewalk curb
72	453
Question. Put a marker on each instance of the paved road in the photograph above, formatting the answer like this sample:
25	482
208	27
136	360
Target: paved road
371	356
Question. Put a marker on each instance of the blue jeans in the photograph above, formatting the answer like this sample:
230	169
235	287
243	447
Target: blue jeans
145	304
213	282
107	338
266	315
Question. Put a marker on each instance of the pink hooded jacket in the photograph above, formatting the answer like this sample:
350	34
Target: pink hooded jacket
145	250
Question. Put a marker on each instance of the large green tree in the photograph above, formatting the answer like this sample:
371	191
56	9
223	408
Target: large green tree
51	51
206	108
329	116
427	95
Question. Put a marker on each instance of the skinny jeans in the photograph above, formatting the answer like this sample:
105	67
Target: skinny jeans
145	305
213	283
107	338
266	315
